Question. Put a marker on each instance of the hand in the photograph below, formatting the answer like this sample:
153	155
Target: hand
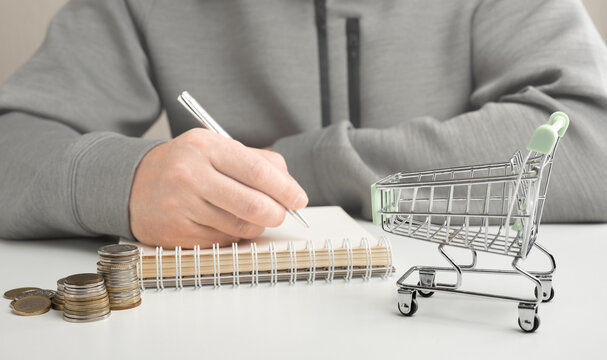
202	188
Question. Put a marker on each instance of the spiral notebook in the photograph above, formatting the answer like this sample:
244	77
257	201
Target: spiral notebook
335	246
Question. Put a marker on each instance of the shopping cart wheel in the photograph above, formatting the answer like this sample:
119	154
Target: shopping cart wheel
546	298
528	319
528	327
407	301
412	309
423	292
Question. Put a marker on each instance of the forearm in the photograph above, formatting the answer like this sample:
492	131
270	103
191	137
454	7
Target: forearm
57	182
337	165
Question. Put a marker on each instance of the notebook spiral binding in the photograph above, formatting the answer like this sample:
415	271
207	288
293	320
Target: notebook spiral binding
312	257
216	277
350	266
293	273
197	282
179	282
293	263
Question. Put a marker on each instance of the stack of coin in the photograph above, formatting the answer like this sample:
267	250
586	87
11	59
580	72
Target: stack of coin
30	301
85	298
118	266
58	301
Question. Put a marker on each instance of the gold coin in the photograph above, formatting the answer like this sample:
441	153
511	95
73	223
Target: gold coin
86	312
86	307
126	307
83	279
33	305
14	292
130	299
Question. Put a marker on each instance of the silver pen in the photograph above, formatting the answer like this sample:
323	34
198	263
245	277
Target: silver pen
208	122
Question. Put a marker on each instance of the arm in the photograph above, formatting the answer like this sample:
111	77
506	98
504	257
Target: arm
528	61
65	171
90	77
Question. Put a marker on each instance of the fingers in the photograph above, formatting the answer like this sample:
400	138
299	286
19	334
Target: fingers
188	234
203	236
257	172
275	158
219	219
242	201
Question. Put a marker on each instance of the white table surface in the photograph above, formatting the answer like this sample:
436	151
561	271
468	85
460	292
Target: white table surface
326	320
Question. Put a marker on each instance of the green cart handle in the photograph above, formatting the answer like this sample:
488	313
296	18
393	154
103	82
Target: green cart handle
375	204
544	138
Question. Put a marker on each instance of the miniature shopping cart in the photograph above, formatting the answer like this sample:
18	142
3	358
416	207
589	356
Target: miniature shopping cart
494	208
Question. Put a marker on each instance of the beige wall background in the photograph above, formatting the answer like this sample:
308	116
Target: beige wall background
23	25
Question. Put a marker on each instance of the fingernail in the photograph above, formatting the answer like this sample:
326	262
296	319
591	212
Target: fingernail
300	202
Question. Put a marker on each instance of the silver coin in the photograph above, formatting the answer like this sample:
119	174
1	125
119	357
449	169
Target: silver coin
98	290
36	292
122	286
124	290
118	250
121	282
124	295
77	297
77	320
84	297
117	266
132	256
117	274
84	290
84	287
84	312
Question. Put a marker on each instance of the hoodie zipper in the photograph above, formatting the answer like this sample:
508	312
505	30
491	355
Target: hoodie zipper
320	9
353	49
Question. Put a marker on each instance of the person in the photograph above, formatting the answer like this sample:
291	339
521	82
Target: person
343	93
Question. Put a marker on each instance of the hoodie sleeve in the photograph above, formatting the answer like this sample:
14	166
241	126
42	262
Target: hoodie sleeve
64	168
529	59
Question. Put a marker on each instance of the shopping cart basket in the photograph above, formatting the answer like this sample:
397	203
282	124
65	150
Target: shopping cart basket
494	208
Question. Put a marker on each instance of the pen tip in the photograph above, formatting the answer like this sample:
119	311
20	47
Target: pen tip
299	218
303	221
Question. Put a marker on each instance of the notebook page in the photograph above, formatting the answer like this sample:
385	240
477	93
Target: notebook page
326	222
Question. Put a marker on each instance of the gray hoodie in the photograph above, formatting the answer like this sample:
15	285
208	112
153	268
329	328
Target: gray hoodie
347	91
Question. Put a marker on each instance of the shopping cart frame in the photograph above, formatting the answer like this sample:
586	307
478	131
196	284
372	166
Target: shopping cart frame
507	223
